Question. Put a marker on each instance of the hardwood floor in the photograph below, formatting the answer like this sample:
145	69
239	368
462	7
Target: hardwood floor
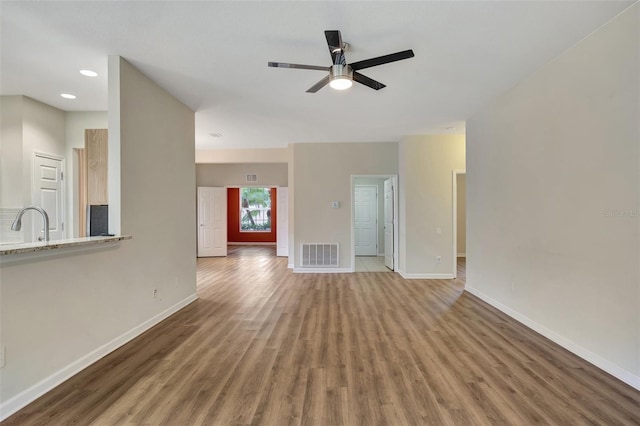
265	346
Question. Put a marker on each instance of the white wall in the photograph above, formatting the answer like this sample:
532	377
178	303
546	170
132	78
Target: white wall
553	199
322	174
426	203
75	123
236	174
60	313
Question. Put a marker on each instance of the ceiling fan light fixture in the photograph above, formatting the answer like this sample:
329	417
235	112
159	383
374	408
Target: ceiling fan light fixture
340	83
340	77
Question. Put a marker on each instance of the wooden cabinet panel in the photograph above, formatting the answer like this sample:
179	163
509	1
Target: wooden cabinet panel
96	145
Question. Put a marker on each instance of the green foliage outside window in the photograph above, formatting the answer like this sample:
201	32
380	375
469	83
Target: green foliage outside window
255	209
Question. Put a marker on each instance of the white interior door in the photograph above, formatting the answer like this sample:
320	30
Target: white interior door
388	223
282	219
48	193
366	220
212	222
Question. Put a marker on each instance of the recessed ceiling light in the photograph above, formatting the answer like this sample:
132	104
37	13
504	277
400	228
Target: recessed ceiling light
89	73
68	96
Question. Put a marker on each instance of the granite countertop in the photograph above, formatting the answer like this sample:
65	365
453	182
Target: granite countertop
10	249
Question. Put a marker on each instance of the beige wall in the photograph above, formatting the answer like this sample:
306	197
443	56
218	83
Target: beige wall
322	174
461	210
158	191
11	151
426	203
60	313
240	156
236	174
553	199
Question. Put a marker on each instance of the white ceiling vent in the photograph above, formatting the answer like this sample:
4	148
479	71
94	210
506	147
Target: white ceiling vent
252	177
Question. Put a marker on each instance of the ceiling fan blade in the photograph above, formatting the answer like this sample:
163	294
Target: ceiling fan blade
334	41
368	63
319	85
363	79
299	66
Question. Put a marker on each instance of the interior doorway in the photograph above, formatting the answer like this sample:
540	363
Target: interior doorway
374	213
459	221
229	216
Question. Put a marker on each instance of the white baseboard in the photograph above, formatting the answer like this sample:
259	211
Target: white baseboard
595	359
426	276
322	270
290	266
462	255
10	406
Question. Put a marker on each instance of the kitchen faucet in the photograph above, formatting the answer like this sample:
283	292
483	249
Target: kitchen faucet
17	224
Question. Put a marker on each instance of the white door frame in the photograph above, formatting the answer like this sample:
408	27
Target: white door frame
35	192
282	232
454	218
396	217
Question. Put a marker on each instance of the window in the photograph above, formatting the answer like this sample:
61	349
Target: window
255	209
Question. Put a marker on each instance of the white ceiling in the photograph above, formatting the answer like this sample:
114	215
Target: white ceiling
213	57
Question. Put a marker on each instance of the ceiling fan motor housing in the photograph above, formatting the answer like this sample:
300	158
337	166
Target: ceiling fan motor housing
341	71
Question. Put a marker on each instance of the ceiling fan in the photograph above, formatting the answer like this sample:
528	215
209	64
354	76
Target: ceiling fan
341	75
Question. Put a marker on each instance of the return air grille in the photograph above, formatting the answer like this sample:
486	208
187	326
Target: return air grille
319	254
252	177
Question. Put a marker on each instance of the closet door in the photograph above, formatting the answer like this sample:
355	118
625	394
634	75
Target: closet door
212	222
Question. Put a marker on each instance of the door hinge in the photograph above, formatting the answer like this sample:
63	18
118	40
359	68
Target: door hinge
63	226
61	175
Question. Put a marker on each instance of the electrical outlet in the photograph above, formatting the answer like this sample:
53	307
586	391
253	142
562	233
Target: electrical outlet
155	292
438	259
3	351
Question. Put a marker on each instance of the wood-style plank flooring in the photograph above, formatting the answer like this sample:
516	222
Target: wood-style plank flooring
265	346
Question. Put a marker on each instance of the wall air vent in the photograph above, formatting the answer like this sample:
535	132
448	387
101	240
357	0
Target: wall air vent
252	178
319	254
